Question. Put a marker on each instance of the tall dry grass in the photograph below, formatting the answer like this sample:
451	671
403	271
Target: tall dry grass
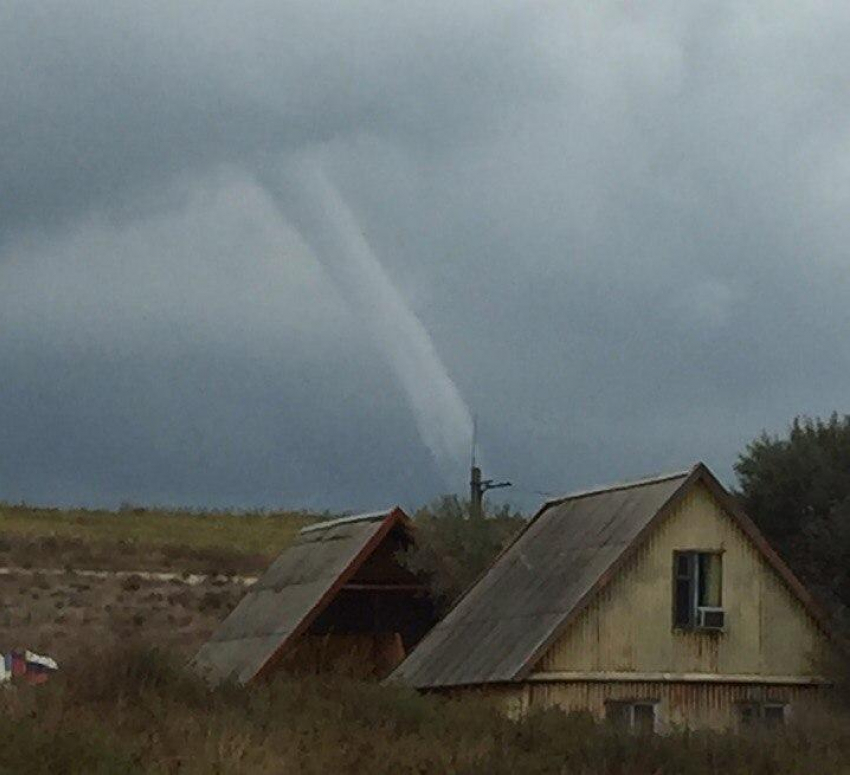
132	709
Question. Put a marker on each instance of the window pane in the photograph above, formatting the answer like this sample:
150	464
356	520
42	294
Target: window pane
683	609
683	565
617	713
749	714
644	718
710	579
774	714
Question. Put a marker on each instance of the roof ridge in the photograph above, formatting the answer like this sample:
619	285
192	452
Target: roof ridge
616	486
371	516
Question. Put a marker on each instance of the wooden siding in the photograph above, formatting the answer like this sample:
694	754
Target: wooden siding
693	705
628	627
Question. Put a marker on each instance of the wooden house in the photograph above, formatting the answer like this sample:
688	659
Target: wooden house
337	599
654	604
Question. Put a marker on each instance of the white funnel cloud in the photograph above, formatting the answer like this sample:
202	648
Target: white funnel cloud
315	207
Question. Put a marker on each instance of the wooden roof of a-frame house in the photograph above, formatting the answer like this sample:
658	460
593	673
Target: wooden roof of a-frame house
296	589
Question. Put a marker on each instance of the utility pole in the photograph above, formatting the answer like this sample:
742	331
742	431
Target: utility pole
477	485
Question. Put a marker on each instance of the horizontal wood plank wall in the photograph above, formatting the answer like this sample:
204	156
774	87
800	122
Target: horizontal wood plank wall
706	706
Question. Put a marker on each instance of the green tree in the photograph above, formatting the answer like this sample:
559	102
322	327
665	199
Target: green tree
452	550
797	490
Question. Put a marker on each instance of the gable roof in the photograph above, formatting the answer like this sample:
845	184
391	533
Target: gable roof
296	588
544	579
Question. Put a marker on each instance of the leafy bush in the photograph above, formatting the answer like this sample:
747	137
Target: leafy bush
452	550
797	489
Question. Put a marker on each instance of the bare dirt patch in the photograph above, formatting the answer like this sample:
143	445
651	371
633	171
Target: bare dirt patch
61	613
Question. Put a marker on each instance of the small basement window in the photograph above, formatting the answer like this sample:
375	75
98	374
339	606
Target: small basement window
697	591
634	715
773	714
769	714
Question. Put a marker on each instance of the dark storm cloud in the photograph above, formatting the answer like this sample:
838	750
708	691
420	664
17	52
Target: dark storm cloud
99	101
624	225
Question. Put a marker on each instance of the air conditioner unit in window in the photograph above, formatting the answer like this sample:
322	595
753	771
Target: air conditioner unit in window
711	618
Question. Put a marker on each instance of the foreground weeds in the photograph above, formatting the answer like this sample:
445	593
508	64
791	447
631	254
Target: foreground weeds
137	710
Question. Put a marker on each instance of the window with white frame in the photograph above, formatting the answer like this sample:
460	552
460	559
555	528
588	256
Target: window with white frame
698	591
634	715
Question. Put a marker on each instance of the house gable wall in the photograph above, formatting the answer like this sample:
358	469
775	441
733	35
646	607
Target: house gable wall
628	626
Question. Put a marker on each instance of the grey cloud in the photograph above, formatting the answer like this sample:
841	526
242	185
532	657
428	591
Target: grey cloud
623	224
102	102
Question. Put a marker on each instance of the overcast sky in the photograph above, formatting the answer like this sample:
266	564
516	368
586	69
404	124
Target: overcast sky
265	253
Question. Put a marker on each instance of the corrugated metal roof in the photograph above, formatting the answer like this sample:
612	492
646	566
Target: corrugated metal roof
518	605
294	590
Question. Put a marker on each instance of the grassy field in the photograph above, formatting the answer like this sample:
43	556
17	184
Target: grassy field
263	533
133	710
52	601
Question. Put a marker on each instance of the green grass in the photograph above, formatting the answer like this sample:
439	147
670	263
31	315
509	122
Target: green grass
82	536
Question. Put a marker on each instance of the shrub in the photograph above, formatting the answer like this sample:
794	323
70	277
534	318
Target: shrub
452	550
132	708
31	747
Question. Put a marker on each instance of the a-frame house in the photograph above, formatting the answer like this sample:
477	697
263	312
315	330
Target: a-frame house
338	598
655	603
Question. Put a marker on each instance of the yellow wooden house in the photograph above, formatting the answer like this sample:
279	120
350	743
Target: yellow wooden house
655	604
